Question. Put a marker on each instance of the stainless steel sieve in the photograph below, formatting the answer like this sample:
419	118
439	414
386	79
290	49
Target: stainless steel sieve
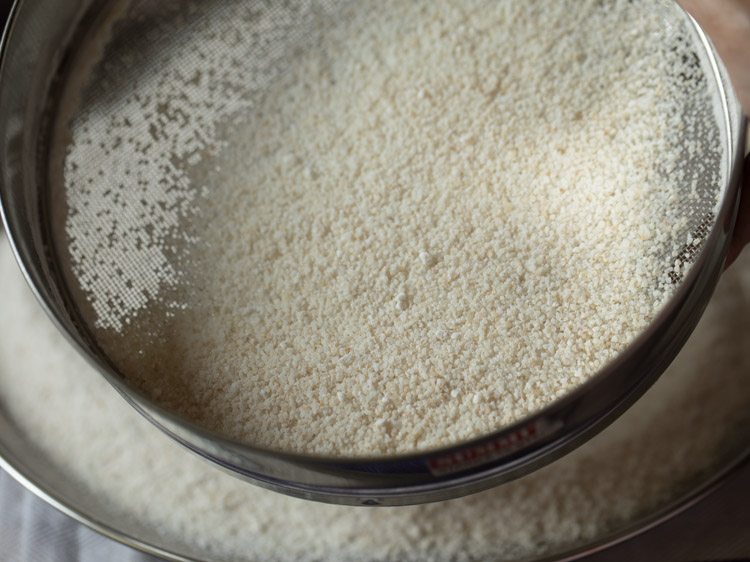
37	49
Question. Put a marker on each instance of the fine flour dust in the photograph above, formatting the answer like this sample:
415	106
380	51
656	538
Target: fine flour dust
375	227
646	458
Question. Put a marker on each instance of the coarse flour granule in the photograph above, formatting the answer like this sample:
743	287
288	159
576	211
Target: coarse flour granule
644	459
376	227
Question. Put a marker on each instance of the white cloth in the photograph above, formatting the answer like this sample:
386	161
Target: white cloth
32	531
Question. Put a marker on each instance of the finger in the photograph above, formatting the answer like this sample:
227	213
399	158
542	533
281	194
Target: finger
741	234
727	23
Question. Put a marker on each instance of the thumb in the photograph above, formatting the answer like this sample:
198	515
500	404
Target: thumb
741	234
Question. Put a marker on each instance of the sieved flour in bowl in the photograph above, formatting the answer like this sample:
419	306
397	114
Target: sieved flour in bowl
692	420
403	225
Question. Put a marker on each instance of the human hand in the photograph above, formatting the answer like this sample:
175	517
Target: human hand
727	23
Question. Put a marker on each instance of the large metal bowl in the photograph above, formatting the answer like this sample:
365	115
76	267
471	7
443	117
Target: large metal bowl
31	469
38	471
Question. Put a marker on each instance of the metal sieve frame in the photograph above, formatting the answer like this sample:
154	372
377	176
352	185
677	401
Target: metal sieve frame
33	51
